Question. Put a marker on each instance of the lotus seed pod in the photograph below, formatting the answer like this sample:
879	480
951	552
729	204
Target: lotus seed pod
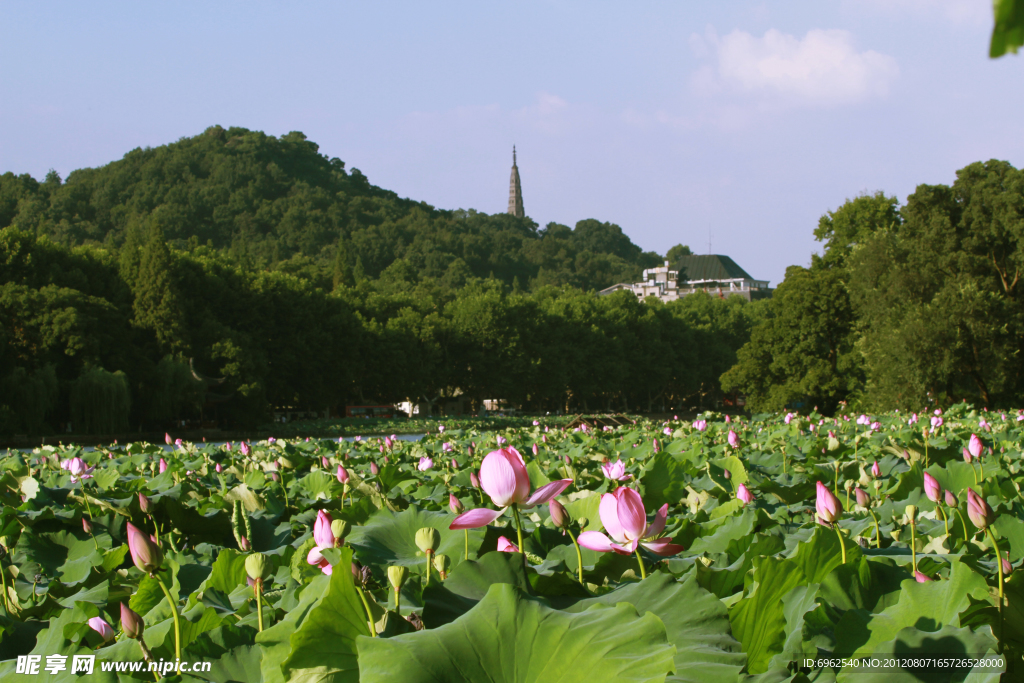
256	566
397	576
427	539
912	513
340	529
442	563
848	484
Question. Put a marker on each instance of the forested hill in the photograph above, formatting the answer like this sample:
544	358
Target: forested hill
278	204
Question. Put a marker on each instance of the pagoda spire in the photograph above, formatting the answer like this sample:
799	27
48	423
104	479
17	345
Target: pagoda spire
515	190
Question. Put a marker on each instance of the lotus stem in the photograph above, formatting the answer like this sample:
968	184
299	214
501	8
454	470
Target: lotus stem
981	466
579	555
519	529
284	489
975	473
835	483
257	589
962	522
369	614
429	562
643	572
7	599
147	656
999	566
878	533
466	531
174	613
842	543
913	545
945	520
398	601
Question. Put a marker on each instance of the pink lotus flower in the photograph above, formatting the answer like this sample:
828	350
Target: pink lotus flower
227	446
506	546
559	515
951	500
936	422
246	450
667	431
219	468
374	470
76	466
921	578
727	419
974	446
615	471
424	464
876	471
163	466
535	423
131	623
145	551
744	494
862	497
655	446
967	456
503	477
440	429
700	425
932	488
446	446
178	442
625	520
863	420
342	474
536	450
167	439
101	627
789	418
455	464
324	462
828	506
324	538
143	502
734	439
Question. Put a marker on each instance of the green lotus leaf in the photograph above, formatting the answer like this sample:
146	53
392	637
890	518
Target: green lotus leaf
389	538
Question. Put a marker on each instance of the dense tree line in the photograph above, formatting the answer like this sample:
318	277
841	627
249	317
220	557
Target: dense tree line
146	334
908	306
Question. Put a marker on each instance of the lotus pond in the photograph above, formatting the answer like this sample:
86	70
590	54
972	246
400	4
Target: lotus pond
772	548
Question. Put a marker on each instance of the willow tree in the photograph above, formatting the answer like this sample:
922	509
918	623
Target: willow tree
100	401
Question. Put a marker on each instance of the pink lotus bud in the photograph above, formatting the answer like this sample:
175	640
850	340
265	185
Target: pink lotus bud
876	471
559	515
243	544
374	470
951	500
506	546
734	439
828	506
131	623
1007	567
974	446
227	446
727	474
86	525
101	627
744	494
455	464
163	465
386	461
144	503
862	497
536	450
146	554
167	439
727	419
324	462
967	456
979	510
342	474
474	480
245	448
654	443
932	488
455	505
219	468
921	578
178	442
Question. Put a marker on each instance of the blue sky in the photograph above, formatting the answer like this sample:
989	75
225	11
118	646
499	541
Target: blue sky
746	119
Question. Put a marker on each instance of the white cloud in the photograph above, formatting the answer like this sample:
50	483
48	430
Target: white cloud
823	68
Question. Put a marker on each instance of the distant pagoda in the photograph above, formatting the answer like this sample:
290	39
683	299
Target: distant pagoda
515	190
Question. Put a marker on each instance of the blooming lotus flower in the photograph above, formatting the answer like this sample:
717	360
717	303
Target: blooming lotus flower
985	425
625	520
932	488
700	425
271	441
342	474
974	446
424	464
979	510
446	446
876	426
667	431
734	439
178	442
744	494
101	627
500	439
324	538
615	471
145	551
876	471
503	477
440	428
535	423
789	418
936	422
76	466
506	546
828	506
863	420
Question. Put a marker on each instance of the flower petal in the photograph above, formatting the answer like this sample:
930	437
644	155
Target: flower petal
631	512
596	541
522	477
547	492
663	547
314	556
658	525
473	519
498	478
609	513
